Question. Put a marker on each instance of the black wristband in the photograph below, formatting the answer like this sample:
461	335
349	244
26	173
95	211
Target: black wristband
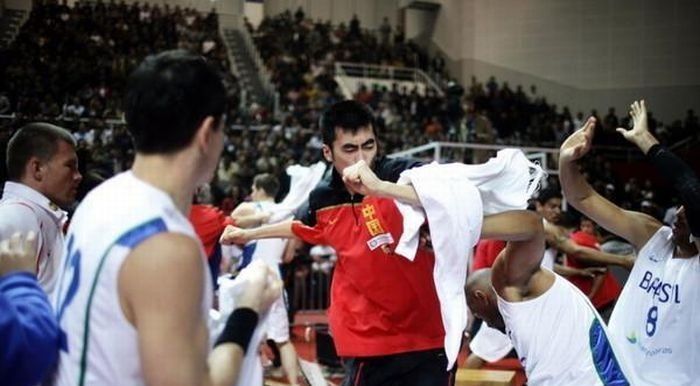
240	327
655	148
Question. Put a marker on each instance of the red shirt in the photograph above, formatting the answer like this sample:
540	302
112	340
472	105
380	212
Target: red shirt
486	253
381	303
209	222
609	291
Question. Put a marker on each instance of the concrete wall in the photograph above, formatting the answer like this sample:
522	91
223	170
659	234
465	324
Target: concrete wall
370	12
583	53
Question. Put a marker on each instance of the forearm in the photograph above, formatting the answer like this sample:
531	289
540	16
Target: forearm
516	225
591	255
404	193
645	141
575	187
225	364
279	230
685	182
249	221
566	271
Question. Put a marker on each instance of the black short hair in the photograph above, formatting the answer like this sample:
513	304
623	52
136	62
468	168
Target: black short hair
36	139
348	115
168	96
548	194
268	183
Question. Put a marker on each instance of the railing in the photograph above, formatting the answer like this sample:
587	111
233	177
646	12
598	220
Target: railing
120	122
391	73
543	155
265	76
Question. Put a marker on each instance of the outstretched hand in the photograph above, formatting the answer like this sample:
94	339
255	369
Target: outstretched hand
234	235
579	143
639	134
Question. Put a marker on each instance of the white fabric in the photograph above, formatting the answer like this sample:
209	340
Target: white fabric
490	344
269	251
551	335
105	228
303	181
251	372
455	197
655	320
23	209
549	258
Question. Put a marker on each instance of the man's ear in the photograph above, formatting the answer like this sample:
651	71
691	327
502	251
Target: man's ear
34	169
481	296
327	153
205	132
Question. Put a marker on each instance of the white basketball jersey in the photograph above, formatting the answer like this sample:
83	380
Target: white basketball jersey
98	344
268	250
656	319
560	340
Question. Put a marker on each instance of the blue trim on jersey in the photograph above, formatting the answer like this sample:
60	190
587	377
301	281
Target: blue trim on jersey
247	255
604	359
130	239
136	235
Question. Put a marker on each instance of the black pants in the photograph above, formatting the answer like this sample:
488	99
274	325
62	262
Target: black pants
417	368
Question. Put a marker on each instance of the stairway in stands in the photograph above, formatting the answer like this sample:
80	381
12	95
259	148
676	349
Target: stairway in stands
247	68
10	23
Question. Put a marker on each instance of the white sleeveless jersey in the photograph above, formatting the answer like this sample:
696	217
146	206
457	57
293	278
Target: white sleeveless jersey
489	343
560	339
98	344
549	258
268	250
656	319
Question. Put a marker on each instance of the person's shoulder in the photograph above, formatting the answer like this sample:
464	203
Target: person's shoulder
389	169
17	217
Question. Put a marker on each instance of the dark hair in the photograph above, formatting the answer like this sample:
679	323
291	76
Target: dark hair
168	96
38	140
268	183
548	194
347	115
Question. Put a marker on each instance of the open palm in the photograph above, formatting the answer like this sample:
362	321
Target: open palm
638	112
578	143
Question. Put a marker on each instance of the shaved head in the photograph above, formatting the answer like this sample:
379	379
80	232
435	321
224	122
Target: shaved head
481	298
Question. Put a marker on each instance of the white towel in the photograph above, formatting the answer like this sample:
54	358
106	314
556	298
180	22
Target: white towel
455	198
303	180
251	372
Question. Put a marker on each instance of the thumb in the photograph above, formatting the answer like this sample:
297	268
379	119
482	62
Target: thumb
621	131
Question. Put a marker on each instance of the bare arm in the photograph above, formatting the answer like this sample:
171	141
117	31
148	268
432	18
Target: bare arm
557	238
525	235
635	227
165	307
246	216
684	180
235	235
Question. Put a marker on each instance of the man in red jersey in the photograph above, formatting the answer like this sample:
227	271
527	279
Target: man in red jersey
384	313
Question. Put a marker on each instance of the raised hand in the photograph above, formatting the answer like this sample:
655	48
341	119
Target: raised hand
639	134
579	143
